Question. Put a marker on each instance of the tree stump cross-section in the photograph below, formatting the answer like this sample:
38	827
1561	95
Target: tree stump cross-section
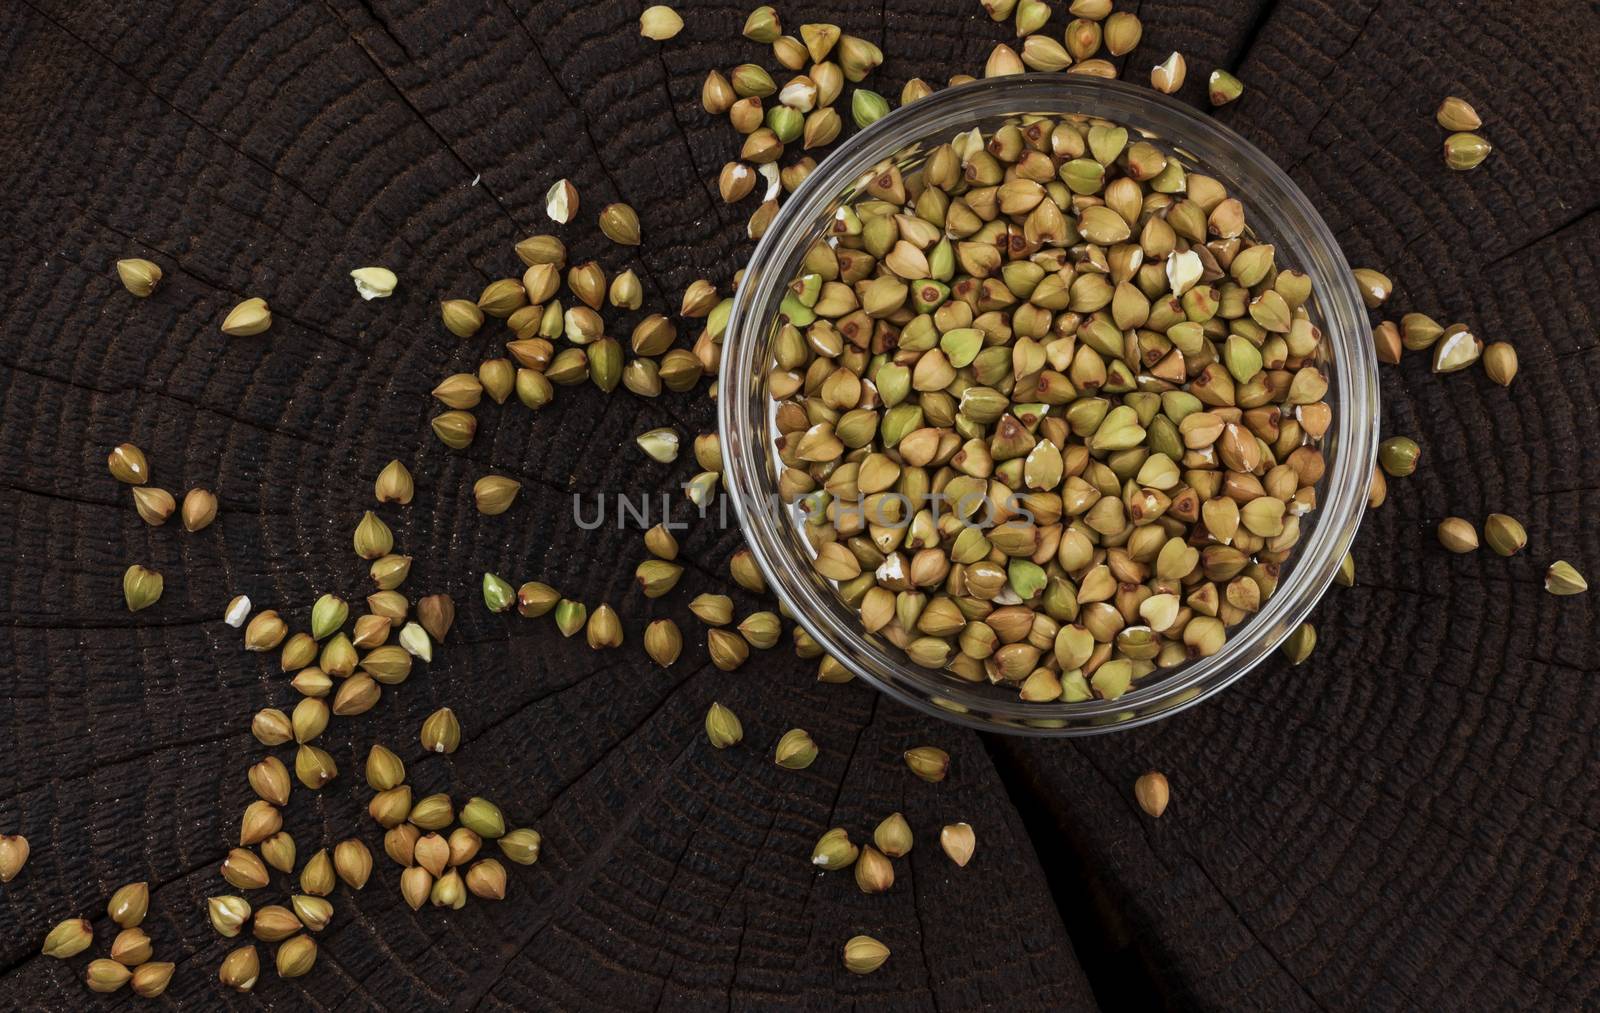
1405	821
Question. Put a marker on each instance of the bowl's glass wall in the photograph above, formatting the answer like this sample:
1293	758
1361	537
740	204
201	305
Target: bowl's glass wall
1277	212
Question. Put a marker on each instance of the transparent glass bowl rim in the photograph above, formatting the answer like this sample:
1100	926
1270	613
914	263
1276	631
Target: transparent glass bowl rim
1271	197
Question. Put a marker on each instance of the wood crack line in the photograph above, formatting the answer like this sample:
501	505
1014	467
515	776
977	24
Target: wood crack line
744	923
474	992
421	117
688	147
1571	223
155	888
922	940
1252	33
100	761
594	146
338	339
838	789
1333	68
655	914
1244	924
274	173
196	406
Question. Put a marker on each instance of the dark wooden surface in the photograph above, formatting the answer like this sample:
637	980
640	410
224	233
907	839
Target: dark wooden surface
1407	821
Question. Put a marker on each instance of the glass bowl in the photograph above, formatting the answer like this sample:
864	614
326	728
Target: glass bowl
1277	212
